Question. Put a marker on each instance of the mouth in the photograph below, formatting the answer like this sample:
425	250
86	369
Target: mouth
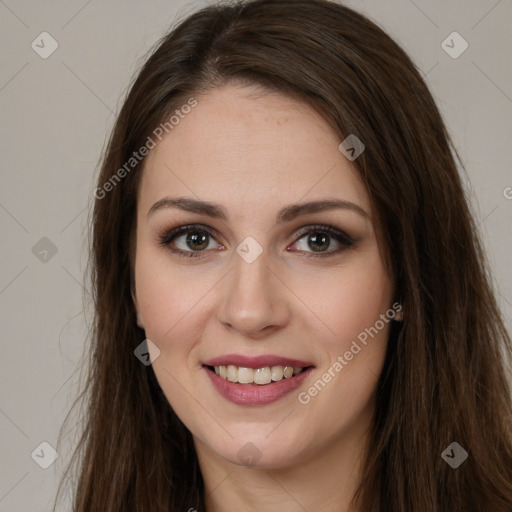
253	381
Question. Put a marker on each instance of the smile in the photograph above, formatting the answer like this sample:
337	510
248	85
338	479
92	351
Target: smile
255	381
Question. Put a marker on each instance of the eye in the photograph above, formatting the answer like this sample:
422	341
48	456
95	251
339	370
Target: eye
196	239
319	238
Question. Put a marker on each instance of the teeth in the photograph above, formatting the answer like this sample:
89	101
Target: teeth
233	373
246	376
262	375
276	372
259	376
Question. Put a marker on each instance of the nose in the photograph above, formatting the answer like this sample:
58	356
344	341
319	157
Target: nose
254	301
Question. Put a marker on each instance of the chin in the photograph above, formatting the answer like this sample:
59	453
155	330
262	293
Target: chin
261	452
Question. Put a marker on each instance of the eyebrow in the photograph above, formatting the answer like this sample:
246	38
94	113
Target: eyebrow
287	214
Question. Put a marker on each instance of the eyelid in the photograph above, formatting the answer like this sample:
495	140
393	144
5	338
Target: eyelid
324	228
167	235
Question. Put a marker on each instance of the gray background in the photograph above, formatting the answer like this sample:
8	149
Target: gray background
56	114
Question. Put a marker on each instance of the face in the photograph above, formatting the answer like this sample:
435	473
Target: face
254	281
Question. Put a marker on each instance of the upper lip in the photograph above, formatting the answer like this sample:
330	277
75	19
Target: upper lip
256	362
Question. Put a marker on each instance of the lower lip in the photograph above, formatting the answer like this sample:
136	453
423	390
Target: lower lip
255	394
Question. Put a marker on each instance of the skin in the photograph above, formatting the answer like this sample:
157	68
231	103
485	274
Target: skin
254	154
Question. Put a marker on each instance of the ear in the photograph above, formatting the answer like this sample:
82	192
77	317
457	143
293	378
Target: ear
399	311
140	321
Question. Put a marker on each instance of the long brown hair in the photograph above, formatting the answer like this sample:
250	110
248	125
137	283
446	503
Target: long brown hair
445	373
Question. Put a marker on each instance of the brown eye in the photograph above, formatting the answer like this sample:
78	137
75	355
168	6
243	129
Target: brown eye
319	239
196	240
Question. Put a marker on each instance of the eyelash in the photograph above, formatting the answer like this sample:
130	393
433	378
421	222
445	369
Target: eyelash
170	235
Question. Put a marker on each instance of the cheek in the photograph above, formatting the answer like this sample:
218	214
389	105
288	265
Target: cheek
169	301
349	302
168	296
352	308
356	345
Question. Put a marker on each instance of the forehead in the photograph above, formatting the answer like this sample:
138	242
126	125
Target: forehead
240	145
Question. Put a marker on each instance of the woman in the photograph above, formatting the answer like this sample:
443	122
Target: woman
292	308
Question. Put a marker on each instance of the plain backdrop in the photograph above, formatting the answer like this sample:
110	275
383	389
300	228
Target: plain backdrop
56	114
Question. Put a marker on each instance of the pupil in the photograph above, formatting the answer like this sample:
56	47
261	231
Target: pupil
324	243
197	241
